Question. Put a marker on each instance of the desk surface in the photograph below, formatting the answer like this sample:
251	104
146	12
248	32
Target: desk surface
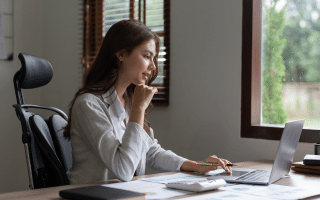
295	179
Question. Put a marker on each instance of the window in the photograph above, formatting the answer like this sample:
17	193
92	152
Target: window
280	71
100	15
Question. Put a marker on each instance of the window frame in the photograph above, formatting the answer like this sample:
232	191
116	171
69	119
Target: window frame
92	38
251	84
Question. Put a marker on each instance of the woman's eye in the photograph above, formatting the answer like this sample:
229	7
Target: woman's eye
147	57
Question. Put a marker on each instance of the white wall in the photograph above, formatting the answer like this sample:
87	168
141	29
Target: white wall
205	94
205	86
28	36
62	46
47	29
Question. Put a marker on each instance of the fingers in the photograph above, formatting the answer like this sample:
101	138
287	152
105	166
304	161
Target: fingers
155	90
228	168
147	88
143	95
222	162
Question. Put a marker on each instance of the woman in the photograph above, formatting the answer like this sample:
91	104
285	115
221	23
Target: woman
107	125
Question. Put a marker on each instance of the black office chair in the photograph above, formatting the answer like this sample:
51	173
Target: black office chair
48	153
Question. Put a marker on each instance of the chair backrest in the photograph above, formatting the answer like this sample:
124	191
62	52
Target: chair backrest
54	157
62	146
48	153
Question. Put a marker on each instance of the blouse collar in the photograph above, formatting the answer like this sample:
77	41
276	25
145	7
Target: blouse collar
114	103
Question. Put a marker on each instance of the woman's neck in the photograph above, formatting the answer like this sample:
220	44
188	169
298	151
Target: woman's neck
121	89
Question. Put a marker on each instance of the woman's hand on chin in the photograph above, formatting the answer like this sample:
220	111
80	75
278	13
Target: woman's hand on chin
142	96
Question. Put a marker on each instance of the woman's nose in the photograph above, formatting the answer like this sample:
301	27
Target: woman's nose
152	65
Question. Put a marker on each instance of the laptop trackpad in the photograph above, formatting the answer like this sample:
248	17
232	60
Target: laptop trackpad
236	172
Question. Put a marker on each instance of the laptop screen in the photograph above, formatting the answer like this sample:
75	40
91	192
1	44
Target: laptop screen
286	150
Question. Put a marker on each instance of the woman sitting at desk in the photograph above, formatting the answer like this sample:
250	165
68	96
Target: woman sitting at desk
109	133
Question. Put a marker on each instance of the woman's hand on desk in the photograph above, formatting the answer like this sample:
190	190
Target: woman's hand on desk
215	160
194	167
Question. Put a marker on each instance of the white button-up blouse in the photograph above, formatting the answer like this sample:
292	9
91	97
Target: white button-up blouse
103	147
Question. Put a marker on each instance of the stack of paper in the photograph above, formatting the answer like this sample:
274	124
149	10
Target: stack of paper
273	191
300	167
157	190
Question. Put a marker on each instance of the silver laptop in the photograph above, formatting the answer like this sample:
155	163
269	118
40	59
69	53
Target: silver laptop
282	163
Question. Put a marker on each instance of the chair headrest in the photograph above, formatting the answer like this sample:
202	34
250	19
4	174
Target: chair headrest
35	72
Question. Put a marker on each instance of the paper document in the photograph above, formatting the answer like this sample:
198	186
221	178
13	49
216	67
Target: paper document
221	195
273	191
214	172
173	178
152	190
3	52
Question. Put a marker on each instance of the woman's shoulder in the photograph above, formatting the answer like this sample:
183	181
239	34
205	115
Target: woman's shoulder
88	98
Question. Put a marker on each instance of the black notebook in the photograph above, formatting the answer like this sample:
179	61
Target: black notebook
99	193
311	159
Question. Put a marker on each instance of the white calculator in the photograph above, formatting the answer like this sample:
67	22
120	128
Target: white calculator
197	186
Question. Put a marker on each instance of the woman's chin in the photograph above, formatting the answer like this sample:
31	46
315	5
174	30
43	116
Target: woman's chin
143	82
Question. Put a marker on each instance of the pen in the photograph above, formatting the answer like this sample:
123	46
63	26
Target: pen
202	163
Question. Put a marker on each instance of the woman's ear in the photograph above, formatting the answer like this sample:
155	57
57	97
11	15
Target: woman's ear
120	55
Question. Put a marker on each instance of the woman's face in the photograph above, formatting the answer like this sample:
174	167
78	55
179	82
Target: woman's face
137	67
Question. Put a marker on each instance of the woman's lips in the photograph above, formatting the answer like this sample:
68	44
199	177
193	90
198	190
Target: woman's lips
146	76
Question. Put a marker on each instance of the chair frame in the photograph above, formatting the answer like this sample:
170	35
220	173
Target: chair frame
23	114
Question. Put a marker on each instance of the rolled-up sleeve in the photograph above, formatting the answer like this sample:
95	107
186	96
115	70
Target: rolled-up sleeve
95	127
164	160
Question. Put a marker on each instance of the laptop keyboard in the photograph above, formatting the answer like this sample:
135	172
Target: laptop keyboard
255	176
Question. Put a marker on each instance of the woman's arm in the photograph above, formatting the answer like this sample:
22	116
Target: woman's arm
140	101
137	115
190	166
166	160
160	159
91	122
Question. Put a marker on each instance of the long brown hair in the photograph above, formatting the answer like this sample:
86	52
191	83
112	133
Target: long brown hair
103	74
